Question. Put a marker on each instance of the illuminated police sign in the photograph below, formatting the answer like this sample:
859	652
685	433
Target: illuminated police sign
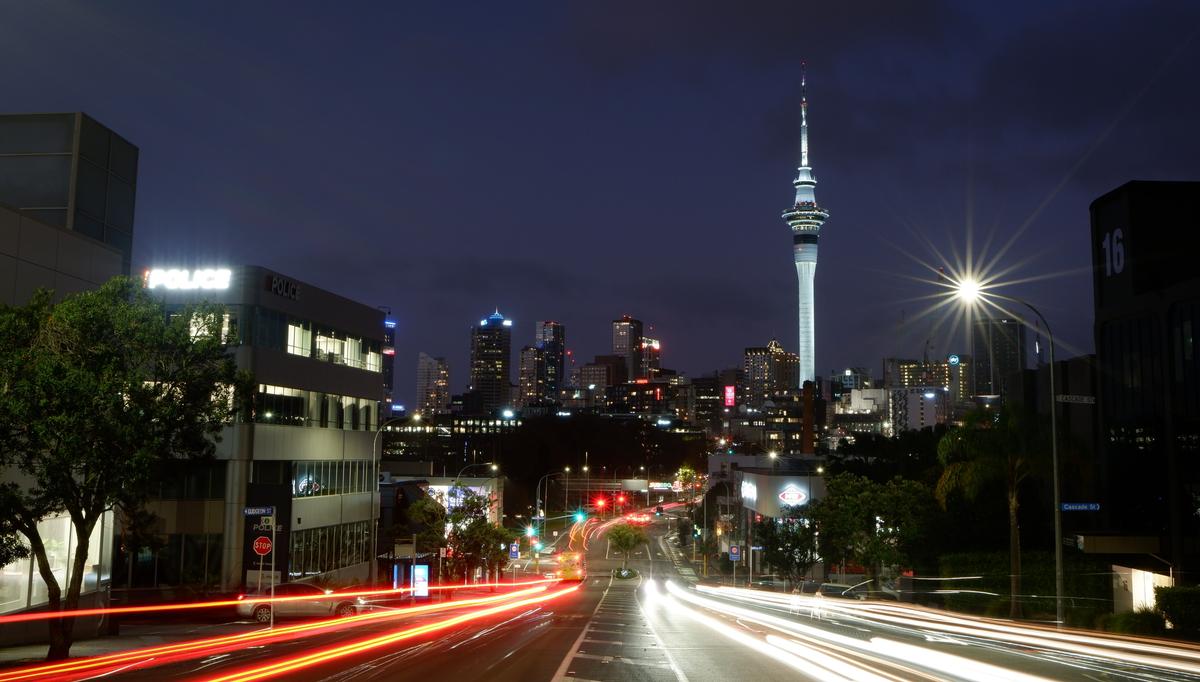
954	360
178	279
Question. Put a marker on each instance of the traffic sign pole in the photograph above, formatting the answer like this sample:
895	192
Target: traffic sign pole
273	524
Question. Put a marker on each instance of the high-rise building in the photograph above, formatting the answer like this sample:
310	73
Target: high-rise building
389	365
651	358
805	218
491	362
1145	236
69	171
433	385
627	342
769	371
998	349
952	374
552	339
532	376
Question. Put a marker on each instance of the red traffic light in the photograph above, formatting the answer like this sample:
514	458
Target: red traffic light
621	499
599	501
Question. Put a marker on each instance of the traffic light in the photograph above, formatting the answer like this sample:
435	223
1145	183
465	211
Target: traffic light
580	517
696	531
600	502
538	546
529	531
621	499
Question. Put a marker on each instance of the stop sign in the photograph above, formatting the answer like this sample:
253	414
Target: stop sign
262	545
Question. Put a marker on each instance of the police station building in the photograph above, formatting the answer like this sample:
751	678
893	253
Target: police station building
307	449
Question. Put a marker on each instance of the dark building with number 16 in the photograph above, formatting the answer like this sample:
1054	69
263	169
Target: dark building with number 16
1145	237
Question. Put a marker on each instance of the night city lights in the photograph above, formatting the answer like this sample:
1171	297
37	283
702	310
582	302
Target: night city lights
388	341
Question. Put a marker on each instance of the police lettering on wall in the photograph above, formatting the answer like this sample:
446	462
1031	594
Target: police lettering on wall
282	286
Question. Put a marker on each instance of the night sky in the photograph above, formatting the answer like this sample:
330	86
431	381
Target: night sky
577	161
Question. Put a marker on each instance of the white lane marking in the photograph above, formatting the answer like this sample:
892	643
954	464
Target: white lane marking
561	674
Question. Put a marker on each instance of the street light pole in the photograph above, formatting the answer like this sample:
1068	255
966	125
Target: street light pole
969	290
373	569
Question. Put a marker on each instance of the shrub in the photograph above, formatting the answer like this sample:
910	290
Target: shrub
1140	622
1181	606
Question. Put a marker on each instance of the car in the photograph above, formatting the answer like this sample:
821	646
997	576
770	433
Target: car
841	591
770	582
321	602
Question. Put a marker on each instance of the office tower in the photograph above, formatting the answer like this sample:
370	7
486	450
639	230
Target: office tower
433	385
627	342
769	371
69	171
491	362
389	363
1146	291
805	218
532	376
651	363
552	339
998	348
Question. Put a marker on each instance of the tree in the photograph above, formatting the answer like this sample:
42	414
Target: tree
876	525
789	543
624	538
426	520
96	393
473	539
1007	447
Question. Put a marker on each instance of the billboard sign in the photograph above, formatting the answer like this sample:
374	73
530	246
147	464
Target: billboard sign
730	396
420	580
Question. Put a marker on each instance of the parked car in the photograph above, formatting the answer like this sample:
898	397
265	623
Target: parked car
321	603
841	591
770	582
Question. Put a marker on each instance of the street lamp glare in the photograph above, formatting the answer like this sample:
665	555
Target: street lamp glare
968	290
772	454
495	467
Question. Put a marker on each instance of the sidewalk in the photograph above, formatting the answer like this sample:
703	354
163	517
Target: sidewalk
133	636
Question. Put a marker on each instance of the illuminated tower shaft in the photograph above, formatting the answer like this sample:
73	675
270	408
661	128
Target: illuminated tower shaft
805	218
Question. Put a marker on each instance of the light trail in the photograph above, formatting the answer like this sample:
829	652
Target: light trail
333	653
259	599
1109	650
919	656
172	653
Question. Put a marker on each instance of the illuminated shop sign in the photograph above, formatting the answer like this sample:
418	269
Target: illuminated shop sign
792	495
730	396
749	491
203	278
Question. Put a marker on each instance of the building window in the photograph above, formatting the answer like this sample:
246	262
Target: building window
299	339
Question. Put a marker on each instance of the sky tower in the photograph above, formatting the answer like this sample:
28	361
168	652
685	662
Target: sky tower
805	218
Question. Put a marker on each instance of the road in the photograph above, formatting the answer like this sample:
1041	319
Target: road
659	626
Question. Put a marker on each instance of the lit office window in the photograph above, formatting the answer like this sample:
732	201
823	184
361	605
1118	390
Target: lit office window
299	339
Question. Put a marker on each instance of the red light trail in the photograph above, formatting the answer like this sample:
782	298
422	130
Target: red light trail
171	653
342	650
159	608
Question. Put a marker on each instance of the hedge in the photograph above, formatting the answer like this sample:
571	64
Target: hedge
1181	606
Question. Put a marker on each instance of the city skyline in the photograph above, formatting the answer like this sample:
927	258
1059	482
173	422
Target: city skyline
909	154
